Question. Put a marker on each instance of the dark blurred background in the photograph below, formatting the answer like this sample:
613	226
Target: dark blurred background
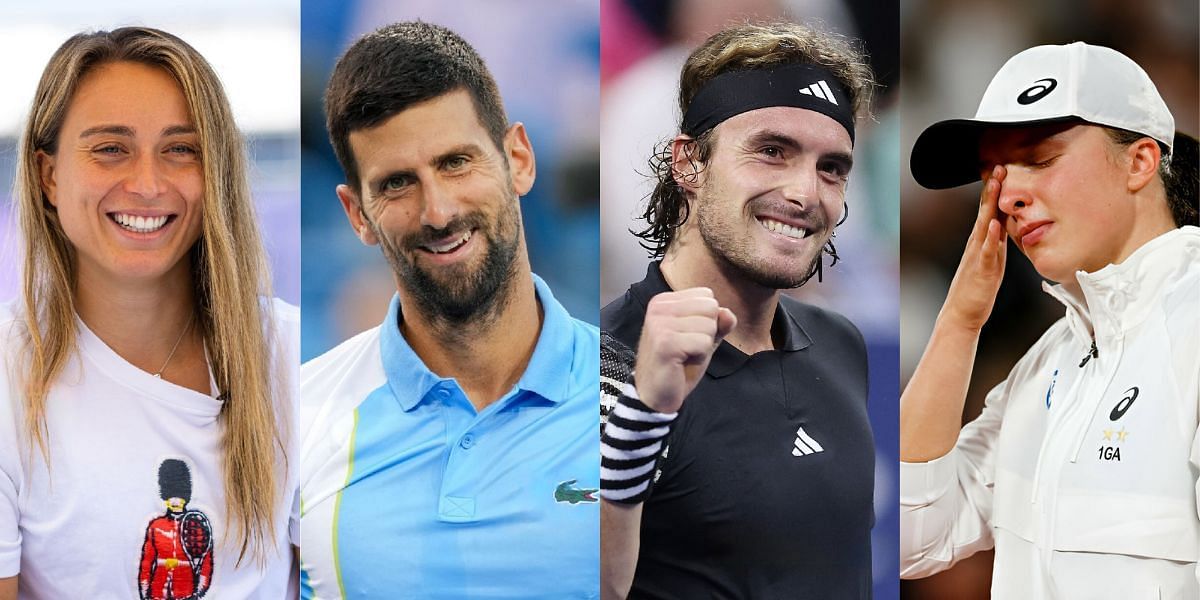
951	50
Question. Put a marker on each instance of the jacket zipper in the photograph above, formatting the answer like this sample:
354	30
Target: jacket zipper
1090	355
1056	422
1118	346
1082	389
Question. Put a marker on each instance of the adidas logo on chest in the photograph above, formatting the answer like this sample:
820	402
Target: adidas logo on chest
805	444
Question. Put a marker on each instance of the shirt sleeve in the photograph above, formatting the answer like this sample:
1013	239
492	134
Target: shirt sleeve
10	534
10	481
946	503
287	345
294	520
1195	460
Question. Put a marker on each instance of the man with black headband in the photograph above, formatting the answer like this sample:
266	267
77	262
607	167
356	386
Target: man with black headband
738	461
1081	472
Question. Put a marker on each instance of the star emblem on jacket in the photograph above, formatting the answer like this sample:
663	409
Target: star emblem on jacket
1112	435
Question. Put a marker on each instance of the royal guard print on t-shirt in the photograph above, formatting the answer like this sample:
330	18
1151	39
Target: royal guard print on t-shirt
177	557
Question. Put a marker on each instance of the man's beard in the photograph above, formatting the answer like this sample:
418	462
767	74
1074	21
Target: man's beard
736	248
460	294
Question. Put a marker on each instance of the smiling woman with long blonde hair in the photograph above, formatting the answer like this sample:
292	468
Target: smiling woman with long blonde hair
145	400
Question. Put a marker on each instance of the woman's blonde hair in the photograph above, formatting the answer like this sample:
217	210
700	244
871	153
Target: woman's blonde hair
229	270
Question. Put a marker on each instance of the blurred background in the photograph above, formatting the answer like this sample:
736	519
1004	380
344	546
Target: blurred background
545	57
951	50
255	50
644	45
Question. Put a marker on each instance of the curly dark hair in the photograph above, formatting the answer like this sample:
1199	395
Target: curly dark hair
666	207
739	48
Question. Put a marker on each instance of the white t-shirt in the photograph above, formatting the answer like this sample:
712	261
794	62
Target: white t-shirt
93	525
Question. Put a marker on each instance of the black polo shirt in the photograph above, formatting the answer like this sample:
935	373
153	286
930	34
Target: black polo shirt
766	487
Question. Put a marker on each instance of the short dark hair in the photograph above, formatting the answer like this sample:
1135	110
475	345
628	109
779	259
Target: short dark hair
397	66
744	47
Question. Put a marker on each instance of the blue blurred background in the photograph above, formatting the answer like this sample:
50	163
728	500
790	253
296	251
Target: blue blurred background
644	45
545	56
255	50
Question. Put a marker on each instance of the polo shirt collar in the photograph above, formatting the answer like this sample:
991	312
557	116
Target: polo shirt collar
726	359
547	374
549	371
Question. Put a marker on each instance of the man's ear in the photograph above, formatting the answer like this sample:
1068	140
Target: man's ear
522	165
1144	156
45	167
685	162
352	204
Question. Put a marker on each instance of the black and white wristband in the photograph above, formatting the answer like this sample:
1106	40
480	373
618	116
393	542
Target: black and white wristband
630	445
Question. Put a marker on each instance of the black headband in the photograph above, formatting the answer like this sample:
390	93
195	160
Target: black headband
800	85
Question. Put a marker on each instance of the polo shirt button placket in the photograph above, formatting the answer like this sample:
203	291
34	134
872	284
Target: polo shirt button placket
460	505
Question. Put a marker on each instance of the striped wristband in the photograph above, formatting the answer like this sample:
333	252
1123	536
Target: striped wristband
630	445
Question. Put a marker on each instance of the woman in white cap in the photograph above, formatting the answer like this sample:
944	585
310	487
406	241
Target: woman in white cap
1082	470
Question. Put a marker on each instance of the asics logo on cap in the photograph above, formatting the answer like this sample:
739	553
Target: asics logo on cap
1040	89
821	90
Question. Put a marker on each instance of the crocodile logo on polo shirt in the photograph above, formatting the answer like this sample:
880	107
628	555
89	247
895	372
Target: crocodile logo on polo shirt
567	492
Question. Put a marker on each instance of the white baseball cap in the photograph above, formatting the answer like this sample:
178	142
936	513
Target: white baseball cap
1045	84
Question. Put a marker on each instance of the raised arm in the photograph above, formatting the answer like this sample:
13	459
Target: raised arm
932	403
679	335
945	498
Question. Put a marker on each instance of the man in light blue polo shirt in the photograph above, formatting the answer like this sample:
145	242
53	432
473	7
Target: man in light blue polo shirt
452	451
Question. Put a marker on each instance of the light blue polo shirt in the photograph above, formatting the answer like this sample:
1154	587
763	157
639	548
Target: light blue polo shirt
408	492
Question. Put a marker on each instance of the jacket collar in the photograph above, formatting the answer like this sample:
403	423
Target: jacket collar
1119	297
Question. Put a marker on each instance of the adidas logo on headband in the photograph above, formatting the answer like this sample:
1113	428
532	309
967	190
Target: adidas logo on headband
821	90
735	92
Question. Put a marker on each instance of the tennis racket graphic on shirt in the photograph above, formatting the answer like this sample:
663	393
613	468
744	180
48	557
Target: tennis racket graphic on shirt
196	534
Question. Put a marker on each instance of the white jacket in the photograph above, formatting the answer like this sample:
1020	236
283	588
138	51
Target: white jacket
1082	475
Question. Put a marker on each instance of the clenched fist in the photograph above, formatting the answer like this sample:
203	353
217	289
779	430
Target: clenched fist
679	335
